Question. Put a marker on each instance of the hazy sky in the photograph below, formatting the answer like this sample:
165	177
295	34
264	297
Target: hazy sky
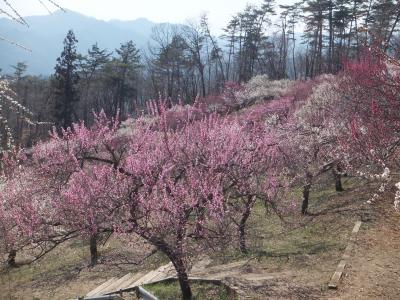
178	11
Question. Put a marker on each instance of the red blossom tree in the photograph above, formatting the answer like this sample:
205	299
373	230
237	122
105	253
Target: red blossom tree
371	106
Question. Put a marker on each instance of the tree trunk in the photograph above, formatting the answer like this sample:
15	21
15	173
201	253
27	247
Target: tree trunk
306	195
175	253
392	29
338	180
242	224
293	55
320	44
94	255
330	46
183	278
203	83
185	286
11	259
177	256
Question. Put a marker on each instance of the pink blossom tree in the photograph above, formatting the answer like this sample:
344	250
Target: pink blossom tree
170	186
301	122
27	222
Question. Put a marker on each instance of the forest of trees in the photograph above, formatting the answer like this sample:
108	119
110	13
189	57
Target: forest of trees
187	61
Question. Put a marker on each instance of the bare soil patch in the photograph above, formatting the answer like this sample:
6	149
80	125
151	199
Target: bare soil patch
374	268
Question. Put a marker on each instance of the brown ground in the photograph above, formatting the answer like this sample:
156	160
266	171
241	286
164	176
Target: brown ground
283	263
372	272
374	268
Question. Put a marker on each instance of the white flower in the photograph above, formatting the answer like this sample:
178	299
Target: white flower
397	197
261	87
363	130
386	173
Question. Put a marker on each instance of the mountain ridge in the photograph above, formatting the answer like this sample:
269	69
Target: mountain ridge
45	35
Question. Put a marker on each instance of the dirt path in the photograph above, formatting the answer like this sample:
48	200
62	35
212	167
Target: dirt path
373	271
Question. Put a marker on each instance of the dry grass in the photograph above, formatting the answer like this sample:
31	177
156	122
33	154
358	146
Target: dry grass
170	291
301	253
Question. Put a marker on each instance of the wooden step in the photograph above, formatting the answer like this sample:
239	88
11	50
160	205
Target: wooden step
101	287
114	287
129	284
146	278
149	276
165	272
161	273
158	277
130	280
101	291
123	283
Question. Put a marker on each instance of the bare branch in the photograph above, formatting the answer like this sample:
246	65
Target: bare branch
56	5
16	13
2	11
45	6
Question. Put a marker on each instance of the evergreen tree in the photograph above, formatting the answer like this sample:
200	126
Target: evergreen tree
230	35
384	18
19	70
123	73
128	64
66	79
91	79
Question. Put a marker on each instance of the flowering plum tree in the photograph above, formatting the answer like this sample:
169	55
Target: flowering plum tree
301	123
353	118
318	132
27	220
261	88
168	185
370	114
226	102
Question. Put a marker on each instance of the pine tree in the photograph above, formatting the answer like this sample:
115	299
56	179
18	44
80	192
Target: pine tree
384	19
123	73
91	77
230	36
66	79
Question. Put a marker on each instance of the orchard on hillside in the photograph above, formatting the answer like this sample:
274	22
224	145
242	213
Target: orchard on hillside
179	176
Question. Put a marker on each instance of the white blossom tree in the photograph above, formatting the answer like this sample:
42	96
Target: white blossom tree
8	98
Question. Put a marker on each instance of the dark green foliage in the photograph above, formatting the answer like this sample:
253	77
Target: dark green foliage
65	83
123	73
92	78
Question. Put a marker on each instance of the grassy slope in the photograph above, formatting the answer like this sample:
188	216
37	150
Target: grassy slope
301	255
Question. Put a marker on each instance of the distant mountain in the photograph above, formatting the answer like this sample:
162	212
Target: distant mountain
46	34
